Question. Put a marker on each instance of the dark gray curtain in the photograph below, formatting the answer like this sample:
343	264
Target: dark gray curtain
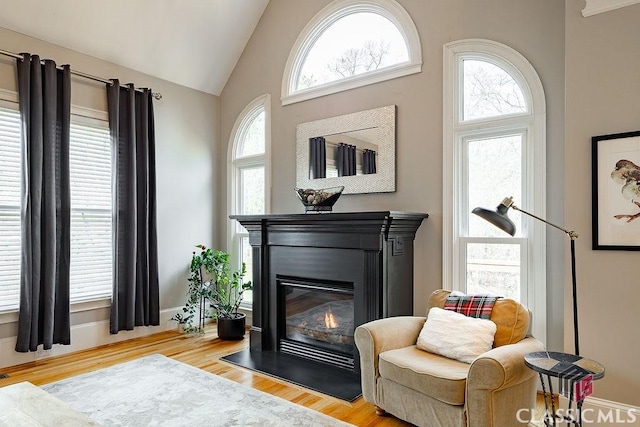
368	162
318	157
44	94
135	300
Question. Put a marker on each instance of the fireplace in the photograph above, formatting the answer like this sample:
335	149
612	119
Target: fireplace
316	321
315	279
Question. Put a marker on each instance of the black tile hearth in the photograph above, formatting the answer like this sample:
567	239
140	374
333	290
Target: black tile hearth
327	379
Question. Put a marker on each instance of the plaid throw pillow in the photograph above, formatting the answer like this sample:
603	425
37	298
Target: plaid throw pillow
471	305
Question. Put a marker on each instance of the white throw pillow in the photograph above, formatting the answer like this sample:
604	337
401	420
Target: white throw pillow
455	335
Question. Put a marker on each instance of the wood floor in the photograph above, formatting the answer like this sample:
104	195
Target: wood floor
201	351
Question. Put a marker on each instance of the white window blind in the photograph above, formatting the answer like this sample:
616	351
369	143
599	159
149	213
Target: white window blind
91	240
9	209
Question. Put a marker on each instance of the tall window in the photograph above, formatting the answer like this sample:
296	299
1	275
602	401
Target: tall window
351	43
249	176
90	180
494	147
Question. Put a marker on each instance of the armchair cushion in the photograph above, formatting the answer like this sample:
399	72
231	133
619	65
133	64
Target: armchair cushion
455	335
436	376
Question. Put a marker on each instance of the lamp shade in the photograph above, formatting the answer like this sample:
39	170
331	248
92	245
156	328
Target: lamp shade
499	218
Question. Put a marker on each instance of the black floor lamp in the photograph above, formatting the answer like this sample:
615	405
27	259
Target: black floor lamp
500	219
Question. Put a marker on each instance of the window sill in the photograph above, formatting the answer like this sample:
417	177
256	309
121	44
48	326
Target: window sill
76	307
351	83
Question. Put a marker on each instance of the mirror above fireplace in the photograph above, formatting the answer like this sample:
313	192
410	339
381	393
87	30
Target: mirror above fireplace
369	137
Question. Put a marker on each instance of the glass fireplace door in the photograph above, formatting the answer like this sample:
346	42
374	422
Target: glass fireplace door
319	316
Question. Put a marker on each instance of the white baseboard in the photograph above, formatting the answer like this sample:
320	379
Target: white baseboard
89	335
600	412
83	336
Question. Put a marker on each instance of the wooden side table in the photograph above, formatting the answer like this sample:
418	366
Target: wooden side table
571	371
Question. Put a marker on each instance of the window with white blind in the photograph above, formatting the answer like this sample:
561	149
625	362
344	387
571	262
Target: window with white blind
9	206
90	178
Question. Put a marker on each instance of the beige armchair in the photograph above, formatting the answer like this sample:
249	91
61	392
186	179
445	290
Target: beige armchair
431	390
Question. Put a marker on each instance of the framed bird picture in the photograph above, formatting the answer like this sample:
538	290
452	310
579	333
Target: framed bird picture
616	191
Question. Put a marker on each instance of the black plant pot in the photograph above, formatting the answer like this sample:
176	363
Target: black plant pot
232	328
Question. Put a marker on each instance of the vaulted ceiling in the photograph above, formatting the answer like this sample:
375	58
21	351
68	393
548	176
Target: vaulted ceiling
195	43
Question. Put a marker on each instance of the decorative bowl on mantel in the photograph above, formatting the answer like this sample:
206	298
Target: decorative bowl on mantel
320	200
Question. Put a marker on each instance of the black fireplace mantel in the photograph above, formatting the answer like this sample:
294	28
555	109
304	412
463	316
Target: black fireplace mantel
372	250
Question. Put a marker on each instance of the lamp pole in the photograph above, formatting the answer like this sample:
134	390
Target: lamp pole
574	293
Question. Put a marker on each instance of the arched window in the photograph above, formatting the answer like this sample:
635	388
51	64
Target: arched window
494	147
348	44
249	176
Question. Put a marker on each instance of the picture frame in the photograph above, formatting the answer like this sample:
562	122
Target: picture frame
616	191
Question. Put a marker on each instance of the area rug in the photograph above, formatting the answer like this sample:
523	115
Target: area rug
159	391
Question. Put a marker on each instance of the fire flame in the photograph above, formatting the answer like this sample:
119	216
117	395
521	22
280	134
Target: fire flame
329	320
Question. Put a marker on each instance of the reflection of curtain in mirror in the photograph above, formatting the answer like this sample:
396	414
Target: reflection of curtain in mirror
352	159
340	156
318	157
346	159
368	162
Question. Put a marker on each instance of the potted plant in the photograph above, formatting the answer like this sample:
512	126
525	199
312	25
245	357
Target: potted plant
212	281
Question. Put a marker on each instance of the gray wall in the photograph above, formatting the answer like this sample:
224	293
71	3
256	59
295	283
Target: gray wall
602	97
534	28
186	138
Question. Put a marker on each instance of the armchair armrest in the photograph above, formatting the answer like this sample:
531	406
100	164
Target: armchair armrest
499	384
503	366
378	336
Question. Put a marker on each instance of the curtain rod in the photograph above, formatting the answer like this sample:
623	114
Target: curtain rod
156	95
